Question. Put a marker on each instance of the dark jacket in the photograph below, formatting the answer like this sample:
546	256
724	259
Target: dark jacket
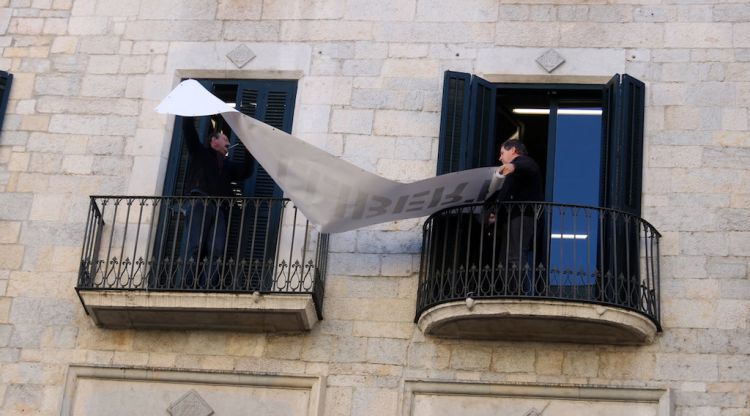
210	172
524	184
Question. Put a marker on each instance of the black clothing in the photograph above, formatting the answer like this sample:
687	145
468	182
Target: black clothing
210	172
517	225
524	184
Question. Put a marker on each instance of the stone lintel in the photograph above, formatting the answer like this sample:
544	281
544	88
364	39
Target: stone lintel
537	320
217	311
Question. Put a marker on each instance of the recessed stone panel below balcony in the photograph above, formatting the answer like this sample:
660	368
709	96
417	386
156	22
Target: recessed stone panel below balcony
537	320
205	311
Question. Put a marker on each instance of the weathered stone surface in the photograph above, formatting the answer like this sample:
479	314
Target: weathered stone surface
632	35
390	10
238	10
23	398
15	206
386	351
26	336
697	35
433	32
400	330
696	367
354	264
444	10
468	357
350	350
308	30
405	123
352	121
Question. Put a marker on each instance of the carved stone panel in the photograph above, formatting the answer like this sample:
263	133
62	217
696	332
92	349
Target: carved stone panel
191	404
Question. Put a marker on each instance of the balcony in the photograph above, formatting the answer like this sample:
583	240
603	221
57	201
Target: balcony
246	264
586	275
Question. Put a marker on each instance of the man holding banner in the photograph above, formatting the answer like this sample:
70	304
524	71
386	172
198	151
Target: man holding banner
210	174
523	183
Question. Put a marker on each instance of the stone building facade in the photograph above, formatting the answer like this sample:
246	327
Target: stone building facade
86	75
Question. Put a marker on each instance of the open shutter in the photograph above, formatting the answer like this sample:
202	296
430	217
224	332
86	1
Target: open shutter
6	79
271	102
454	118
467	123
481	150
623	108
632	107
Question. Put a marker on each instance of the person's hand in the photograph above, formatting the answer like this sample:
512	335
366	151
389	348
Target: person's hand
506	169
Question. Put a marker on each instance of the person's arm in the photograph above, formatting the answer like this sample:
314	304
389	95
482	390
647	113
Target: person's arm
190	135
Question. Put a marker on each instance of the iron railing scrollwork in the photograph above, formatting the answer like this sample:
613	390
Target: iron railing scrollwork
540	250
202	244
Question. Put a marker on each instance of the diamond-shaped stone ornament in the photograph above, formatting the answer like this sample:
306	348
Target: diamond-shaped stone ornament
241	55
190	404
550	60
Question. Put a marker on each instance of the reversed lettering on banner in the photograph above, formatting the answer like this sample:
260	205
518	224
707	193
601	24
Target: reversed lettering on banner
330	192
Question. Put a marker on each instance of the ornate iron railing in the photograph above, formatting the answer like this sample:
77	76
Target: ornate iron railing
540	250
201	244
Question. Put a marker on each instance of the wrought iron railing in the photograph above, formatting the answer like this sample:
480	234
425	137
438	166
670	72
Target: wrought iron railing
540	250
201	244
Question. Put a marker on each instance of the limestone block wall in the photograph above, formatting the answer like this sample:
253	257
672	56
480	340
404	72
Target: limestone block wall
87	74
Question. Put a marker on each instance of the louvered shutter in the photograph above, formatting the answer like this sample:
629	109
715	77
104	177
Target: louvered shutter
622	170
271	102
481	149
454	117
632	107
623	103
6	79
467	123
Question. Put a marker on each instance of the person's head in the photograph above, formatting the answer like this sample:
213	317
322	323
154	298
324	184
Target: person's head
510	149
219	142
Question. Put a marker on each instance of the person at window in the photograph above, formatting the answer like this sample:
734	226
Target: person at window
523	182
210	174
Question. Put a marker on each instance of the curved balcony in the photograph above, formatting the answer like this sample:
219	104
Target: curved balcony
539	272
248	264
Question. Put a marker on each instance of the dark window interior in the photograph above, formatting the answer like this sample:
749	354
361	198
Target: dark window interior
538	131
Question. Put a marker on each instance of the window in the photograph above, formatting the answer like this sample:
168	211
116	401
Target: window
588	142
587	139
6	79
270	101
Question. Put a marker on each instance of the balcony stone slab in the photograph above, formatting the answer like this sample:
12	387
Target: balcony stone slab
207	311
537	320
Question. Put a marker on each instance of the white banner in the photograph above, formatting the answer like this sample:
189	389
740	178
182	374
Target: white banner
331	192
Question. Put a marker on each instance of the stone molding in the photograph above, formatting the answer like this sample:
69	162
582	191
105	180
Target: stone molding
547	79
316	384
660	397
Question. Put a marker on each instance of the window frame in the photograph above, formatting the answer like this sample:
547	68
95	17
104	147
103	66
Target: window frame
623	107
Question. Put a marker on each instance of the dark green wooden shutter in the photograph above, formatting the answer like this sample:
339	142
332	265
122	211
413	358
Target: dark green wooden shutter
271	102
467	123
482	150
633	105
623	109
6	79
623	105
454	117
